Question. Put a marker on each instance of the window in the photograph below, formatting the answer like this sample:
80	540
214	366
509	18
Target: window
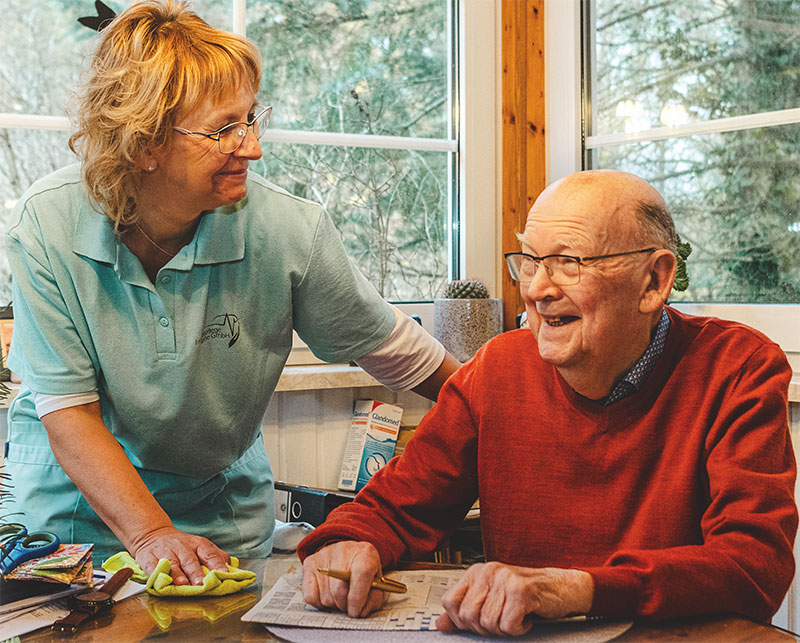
371	111
701	99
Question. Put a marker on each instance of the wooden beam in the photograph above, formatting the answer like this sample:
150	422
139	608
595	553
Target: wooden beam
523	146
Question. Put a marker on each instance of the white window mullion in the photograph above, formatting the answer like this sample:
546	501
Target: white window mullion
361	140
562	88
720	125
34	121
240	17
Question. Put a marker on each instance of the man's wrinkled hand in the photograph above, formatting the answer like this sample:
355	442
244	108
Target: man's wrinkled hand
495	599
185	552
356	598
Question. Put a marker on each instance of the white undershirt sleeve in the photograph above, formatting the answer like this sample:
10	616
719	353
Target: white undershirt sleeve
48	403
406	358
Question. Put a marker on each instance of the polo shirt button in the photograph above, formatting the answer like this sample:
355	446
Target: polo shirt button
164	322
166	279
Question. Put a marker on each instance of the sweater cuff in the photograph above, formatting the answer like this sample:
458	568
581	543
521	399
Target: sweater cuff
617	592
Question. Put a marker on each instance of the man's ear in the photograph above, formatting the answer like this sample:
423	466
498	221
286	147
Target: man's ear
659	281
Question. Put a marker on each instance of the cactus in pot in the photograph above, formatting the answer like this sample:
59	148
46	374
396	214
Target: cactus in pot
464	289
466	317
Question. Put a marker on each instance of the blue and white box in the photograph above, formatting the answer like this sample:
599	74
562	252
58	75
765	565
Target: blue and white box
370	443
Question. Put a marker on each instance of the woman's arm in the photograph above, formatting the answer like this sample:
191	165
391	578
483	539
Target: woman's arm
120	498
430	387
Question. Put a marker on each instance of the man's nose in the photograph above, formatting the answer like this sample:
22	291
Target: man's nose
541	284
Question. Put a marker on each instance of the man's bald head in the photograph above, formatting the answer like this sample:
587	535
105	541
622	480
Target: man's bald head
626	198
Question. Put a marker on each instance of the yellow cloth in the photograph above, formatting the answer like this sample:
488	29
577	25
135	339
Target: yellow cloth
122	560
211	608
215	583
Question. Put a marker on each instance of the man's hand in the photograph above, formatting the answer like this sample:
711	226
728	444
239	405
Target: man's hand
498	599
356	598
185	551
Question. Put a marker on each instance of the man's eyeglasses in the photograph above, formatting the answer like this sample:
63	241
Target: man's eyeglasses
563	270
230	138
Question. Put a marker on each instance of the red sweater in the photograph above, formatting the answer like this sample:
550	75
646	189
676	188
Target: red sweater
677	500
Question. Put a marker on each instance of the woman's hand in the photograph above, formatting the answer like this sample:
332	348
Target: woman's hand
185	551
356	598
495	599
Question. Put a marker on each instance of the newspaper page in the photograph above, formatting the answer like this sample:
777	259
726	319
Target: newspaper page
416	610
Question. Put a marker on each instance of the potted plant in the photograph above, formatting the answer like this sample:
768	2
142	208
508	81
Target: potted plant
466	317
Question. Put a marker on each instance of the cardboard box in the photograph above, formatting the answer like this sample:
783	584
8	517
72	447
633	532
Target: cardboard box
370	443
298	503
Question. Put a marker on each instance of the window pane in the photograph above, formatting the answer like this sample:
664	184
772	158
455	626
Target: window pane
26	155
734	196
669	62
41	63
217	13
389	205
363	66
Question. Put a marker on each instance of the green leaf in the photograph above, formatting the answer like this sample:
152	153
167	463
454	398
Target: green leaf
681	274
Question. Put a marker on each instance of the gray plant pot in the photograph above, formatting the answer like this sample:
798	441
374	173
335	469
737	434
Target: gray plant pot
464	325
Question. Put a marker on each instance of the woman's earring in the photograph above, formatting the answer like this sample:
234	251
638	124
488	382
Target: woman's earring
151	168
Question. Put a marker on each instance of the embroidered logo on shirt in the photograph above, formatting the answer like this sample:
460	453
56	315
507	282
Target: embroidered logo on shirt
223	327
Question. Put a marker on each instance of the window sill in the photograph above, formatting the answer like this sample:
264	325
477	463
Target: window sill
324	376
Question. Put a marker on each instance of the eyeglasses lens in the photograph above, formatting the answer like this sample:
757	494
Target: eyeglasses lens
564	271
232	138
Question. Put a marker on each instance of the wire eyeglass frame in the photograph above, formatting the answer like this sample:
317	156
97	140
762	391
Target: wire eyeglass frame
259	123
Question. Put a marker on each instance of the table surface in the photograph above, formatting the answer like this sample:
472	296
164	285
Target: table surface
146	617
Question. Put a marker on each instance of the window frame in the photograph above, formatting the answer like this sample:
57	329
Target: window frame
566	144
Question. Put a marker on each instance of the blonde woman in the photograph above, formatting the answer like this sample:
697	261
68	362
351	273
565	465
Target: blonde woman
156	287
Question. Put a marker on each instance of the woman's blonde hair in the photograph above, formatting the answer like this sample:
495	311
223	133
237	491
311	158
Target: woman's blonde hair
155	62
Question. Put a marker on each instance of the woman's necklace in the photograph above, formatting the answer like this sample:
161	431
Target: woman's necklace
153	243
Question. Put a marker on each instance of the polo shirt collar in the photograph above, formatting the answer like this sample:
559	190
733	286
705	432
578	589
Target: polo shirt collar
95	237
220	235
219	238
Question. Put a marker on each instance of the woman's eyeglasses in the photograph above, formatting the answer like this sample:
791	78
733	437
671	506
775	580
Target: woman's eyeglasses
230	138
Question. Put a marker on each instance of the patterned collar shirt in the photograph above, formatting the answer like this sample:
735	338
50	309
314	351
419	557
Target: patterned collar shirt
636	376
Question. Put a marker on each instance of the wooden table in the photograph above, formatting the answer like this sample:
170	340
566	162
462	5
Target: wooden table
146	617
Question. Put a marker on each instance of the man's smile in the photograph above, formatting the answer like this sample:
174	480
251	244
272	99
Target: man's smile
558	320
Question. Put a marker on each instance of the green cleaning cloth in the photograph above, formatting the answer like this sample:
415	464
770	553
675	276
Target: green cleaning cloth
215	583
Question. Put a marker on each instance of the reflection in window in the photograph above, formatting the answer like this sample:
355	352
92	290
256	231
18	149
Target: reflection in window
41	62
389	205
677	64
27	155
739	212
368	67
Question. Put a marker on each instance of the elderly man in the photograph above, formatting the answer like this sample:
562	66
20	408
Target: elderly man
630	460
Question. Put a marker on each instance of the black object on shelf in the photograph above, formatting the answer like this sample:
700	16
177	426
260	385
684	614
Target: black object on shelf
298	503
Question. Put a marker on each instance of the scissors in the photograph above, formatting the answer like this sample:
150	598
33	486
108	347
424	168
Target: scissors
17	546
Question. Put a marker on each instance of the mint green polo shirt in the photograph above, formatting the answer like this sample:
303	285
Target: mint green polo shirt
185	366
